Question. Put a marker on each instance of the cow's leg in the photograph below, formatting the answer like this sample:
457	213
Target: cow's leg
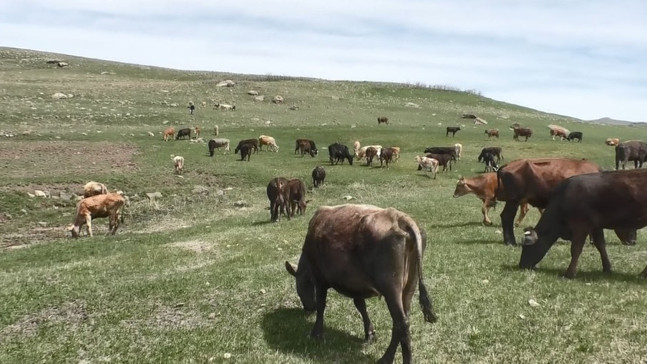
600	244
88	224
321	294
507	220
486	207
577	243
523	210
369	331
400	330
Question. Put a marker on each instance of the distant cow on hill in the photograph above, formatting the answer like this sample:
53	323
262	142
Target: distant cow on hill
492	133
186	132
453	130
523	132
382	120
574	135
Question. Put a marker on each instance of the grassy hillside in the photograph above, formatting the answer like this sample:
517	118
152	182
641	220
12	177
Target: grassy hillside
198	275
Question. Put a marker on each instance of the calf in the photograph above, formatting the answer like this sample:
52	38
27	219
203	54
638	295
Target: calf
168	133
277	194
495	151
269	141
94	188
586	204
574	135
218	143
632	150
253	142
178	164
186	132
382	120
296	193
364	251
98	206
338	152
427	164
492	133
318	176
453	130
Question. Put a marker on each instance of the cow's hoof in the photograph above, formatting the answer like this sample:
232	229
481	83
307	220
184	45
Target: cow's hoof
510	243
487	223
316	336
629	243
370	338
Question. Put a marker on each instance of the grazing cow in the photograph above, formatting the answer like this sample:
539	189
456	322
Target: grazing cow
269	141
453	130
94	188
532	181
168	133
386	156
178	164
484	187
442	150
218	143
245	150
372	152
459	150
364	251
427	165
277	193
306	146
444	160
612	142
382	119
584	205
396	153
318	176
574	135
196	131
361	152
186	132
105	205
519	131
495	151
338	152
490	163
558	131
631	150
296	193
224	107
253	142
492	133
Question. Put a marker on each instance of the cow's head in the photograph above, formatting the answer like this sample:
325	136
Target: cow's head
461	188
531	251
305	285
74	230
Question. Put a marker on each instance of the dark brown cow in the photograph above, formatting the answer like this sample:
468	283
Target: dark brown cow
277	194
371	152
492	133
519	131
444	160
495	151
306	146
186	132
364	251
318	176
253	142
632	150
453	130
382	120
386	156
443	150
245	150
532	181
584	205
296	193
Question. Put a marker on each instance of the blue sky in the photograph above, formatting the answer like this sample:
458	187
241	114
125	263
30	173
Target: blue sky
586	59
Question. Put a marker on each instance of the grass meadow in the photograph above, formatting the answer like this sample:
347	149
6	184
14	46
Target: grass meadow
197	276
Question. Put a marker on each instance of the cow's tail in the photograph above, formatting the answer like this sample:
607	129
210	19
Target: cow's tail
425	299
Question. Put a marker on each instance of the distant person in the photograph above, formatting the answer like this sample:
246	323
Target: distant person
191	108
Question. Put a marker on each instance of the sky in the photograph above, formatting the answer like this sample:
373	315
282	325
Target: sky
581	58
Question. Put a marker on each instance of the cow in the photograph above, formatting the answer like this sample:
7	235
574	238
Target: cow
558	131
269	141
442	150
306	146
490	163
372	152
178	164
338	152
631	150
532	181
453	130
386	156
519	131
186	132
484	187
277	194
396	153
224	107
360	153
427	165
245	150
459	150
253	142
318	176
218	143
364	251
94	188
168	133
104	205
574	135
612	142
382	120
492	133
584	205
296	193
444	160
495	151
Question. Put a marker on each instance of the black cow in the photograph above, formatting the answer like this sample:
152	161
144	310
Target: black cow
245	150
364	251
586	204
444	160
318	176
574	135
632	150
338	152
277	193
495	151
453	130
442	150
253	142
186	132
488	160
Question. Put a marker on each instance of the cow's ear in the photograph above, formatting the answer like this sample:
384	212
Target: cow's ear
291	268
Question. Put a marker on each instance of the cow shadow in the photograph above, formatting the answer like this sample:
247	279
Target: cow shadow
453	224
595	275
288	330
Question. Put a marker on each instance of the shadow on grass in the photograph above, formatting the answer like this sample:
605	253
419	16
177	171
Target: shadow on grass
585	276
457	224
288	331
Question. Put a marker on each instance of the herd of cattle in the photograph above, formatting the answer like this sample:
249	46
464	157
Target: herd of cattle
348	246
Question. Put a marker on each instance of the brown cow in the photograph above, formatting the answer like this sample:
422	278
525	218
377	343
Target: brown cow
296	193
382	120
484	187
168	133
557	131
519	131
612	141
306	146
277	194
318	176
492	133
453	130
444	160
245	150
631	150
584	205
253	142
104	205
364	251
371	152
269	141
386	156
532	181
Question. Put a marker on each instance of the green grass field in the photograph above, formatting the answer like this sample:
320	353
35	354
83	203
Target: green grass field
199	277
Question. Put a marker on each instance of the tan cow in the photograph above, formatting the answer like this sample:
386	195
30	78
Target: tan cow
169	133
105	205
